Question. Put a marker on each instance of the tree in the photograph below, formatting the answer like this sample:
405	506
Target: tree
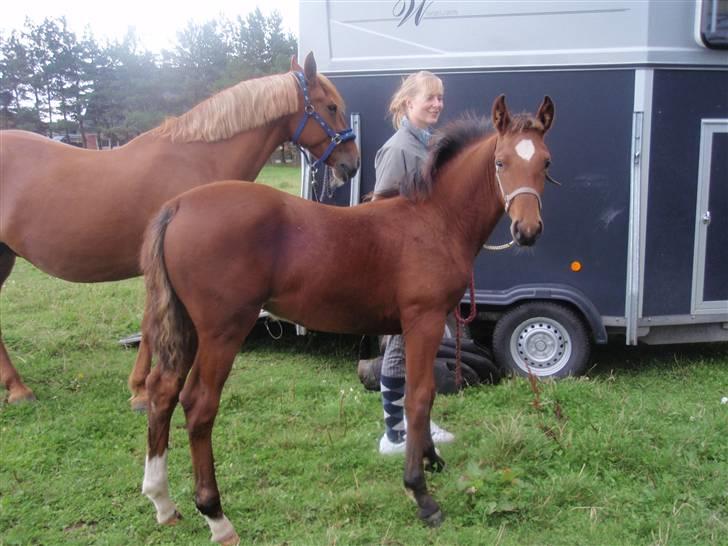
14	71
281	45
43	41
201	56
50	79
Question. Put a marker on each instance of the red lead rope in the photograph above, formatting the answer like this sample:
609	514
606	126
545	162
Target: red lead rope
460	322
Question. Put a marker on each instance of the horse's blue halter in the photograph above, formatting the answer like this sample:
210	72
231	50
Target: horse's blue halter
310	112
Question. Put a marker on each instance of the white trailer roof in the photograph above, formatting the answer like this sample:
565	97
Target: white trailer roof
351	35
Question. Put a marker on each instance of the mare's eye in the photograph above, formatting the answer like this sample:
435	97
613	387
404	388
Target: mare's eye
548	163
332	108
499	163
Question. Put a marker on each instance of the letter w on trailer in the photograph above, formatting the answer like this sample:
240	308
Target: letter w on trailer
636	239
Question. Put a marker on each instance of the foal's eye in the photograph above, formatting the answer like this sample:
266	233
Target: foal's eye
499	163
548	163
332	108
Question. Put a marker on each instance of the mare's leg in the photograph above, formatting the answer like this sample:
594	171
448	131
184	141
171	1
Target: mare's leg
163	386
200	400
422	337
17	391
138	376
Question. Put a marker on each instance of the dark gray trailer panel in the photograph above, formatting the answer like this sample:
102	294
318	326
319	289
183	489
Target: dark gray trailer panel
681	99
640	142
587	218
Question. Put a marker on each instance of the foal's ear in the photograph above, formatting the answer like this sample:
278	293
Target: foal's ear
501	117
309	68
295	67
546	113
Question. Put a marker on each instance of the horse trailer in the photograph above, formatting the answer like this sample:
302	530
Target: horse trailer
636	239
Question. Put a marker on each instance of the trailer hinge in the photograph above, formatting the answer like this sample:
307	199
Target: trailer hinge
638	138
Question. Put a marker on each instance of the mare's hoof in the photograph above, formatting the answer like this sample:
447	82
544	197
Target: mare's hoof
21	395
433	520
139	404
174	519
232	540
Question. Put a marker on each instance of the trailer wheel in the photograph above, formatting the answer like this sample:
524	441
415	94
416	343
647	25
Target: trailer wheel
546	338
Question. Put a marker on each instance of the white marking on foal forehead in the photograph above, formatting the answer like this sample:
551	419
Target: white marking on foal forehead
525	149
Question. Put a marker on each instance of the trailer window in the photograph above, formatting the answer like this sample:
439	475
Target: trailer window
712	21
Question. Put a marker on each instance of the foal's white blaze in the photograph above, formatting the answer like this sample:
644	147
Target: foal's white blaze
525	149
221	529
156	487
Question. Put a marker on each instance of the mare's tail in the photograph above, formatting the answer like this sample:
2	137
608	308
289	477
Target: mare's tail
172	335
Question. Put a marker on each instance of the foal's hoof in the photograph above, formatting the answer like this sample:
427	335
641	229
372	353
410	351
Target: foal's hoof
19	396
174	519
139	403
433	461
433	520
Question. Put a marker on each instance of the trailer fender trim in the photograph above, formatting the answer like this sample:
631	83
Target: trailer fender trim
558	292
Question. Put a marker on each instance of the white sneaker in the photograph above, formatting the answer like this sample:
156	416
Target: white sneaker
439	436
388	447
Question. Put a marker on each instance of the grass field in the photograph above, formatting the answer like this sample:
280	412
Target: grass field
283	177
633	454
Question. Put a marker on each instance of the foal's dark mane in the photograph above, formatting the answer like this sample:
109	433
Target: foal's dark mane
452	139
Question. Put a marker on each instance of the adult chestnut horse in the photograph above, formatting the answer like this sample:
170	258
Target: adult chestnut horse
217	254
80	215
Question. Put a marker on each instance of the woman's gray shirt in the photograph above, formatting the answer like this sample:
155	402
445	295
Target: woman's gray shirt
400	158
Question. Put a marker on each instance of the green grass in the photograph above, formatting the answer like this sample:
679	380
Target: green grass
282	177
635	453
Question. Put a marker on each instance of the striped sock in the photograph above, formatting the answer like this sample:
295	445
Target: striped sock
393	403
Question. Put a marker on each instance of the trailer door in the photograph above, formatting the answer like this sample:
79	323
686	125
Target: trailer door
710	264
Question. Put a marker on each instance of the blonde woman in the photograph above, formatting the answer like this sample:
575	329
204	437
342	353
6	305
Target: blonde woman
415	108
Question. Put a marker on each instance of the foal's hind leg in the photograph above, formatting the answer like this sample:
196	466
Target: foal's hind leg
143	364
9	376
164	386
200	400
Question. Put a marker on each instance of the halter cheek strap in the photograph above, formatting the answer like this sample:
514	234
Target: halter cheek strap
509	197
310	112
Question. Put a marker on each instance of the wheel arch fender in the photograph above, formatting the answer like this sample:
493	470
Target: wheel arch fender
546	292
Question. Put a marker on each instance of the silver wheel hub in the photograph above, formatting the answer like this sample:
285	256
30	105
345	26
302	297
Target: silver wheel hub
541	345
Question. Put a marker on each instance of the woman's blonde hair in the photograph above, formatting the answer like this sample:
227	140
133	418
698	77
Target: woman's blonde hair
419	82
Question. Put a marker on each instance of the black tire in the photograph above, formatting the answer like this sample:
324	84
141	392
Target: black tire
481	362
467	345
369	371
547	338
445	376
368	347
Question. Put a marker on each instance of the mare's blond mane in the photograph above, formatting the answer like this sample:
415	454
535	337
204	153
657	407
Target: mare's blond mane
244	106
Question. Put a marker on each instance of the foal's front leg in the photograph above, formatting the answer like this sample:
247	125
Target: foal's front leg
422	339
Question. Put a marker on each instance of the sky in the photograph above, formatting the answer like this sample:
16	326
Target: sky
156	21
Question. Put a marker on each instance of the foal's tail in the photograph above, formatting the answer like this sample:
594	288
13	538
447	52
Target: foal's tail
172	335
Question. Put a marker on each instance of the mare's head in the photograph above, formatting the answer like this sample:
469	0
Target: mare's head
319	124
521	163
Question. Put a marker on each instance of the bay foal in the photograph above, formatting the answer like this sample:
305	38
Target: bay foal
216	255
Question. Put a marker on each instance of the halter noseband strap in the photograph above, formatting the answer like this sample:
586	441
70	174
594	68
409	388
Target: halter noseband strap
509	197
310	112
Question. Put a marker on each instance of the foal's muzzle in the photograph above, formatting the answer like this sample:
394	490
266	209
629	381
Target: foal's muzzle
526	233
